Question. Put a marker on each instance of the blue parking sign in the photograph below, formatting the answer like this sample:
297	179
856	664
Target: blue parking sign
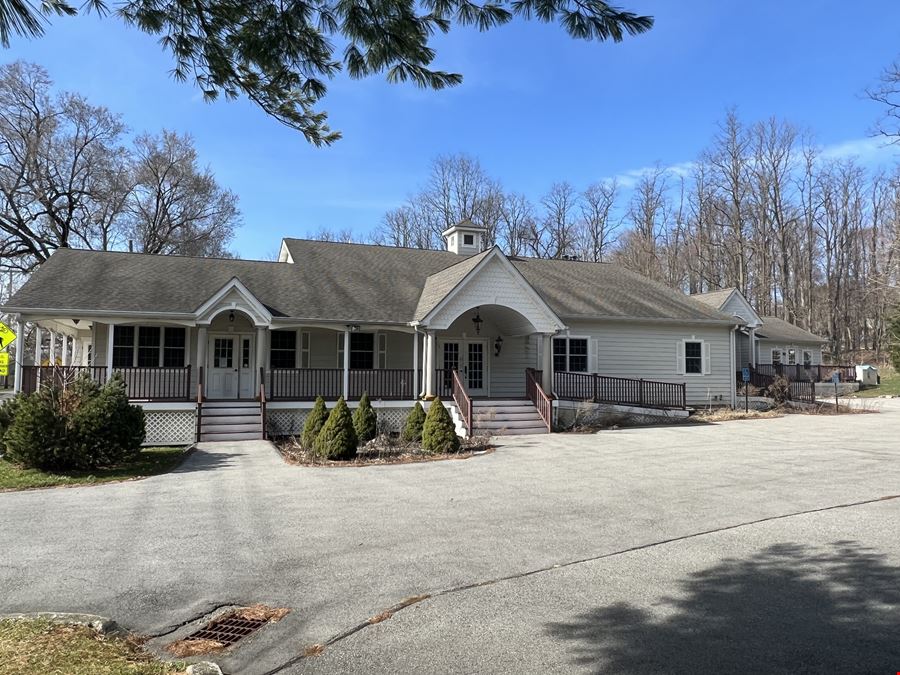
835	377
745	374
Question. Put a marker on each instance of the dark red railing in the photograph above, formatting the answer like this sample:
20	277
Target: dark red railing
305	384
619	390
262	401
538	398
387	384
199	403
143	384
463	400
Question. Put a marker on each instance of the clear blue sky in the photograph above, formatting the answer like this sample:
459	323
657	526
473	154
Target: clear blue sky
535	106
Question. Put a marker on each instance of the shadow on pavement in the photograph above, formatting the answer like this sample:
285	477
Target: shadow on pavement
787	609
201	460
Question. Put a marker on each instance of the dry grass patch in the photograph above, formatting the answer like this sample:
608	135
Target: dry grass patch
41	646
729	415
313	650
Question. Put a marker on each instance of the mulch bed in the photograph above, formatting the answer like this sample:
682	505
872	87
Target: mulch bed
383	450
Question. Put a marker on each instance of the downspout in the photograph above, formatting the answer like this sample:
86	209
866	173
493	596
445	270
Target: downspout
733	377
416	383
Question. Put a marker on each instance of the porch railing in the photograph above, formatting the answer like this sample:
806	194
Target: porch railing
142	384
813	373
443	382
305	384
463	401
538	397
619	390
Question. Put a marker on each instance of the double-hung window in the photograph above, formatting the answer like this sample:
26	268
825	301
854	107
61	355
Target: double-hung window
693	357
570	355
149	346
284	349
123	347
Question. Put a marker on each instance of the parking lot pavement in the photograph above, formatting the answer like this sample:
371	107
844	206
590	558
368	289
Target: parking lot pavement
235	525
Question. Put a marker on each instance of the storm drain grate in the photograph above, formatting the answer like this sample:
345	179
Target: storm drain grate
228	630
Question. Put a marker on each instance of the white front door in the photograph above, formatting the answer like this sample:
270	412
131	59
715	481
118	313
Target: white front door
230	367
468	357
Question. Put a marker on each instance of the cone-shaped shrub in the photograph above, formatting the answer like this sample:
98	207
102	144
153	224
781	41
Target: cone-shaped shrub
337	440
412	432
365	421
314	423
438	434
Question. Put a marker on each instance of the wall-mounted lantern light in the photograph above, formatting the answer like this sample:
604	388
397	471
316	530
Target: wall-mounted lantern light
477	320
498	345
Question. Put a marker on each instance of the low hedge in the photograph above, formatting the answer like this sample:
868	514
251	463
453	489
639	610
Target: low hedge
75	427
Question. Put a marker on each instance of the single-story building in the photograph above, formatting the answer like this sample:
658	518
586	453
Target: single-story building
216	347
773	345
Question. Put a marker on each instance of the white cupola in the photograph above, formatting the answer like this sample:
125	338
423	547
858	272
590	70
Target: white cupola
464	238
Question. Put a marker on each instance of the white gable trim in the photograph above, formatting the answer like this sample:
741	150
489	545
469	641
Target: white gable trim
747	314
551	322
247	303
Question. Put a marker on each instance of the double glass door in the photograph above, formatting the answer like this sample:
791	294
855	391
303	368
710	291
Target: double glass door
467	357
230	367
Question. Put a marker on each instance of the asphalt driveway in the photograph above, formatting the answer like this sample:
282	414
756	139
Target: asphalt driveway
235	525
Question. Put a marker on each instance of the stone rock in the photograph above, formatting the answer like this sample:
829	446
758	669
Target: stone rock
204	668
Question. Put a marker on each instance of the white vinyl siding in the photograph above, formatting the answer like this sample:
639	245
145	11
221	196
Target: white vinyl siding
651	351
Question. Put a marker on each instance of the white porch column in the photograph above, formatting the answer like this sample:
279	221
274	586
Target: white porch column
65	348
429	364
19	355
38	345
110	331
752	348
262	333
52	348
201	353
346	364
547	366
415	387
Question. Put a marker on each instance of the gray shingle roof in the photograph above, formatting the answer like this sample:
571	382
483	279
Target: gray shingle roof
714	299
774	328
440	283
334	281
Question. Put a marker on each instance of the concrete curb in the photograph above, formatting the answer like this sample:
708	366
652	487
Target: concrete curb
101	624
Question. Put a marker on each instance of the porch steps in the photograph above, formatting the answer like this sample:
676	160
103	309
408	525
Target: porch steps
230	421
506	417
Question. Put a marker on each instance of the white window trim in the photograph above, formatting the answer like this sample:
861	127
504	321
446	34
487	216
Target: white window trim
705	358
586	338
305	353
162	344
375	342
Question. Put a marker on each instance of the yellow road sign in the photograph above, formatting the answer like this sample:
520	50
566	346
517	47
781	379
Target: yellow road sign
4	358
7	337
4	371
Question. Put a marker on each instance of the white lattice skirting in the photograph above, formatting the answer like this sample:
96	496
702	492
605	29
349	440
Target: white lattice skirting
170	427
289	421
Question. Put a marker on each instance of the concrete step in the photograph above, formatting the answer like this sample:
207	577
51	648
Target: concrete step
241	436
510	424
227	420
501	402
230	428
230	404
522	431
229	413
505	413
